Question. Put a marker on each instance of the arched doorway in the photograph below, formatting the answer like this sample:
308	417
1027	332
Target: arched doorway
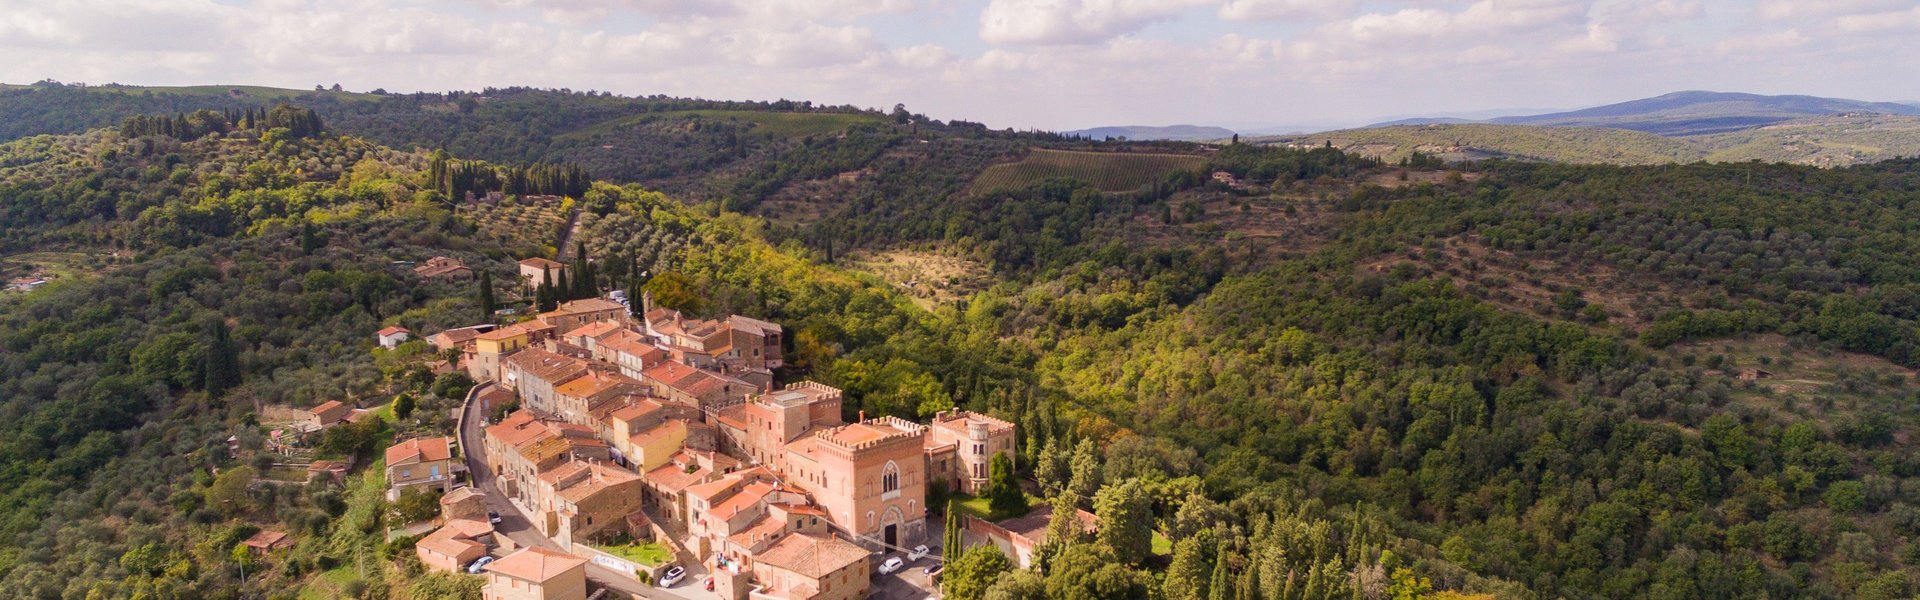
890	525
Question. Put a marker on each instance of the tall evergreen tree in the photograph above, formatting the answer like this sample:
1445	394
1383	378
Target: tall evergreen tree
564	290
543	295
951	545
634	292
487	304
1221	587
1003	489
222	369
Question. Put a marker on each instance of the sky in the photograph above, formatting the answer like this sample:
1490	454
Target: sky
1027	64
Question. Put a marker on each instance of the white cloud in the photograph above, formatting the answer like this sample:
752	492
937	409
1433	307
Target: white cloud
1261	10
1780	10
1023	63
1073	21
1762	43
1906	20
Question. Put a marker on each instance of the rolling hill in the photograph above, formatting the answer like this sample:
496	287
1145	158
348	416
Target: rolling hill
1184	133
1703	113
1826	141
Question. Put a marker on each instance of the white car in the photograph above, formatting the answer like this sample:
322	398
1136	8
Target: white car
479	564
891	565
918	552
673	576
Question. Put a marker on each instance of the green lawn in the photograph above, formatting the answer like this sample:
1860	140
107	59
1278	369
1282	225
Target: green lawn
978	507
1161	545
648	554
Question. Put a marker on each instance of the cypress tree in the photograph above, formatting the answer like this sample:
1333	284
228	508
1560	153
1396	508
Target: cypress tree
222	369
487	305
564	290
1221	587
951	546
543	295
634	305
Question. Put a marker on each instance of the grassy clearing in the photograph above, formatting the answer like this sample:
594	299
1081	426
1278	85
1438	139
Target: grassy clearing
929	279
648	553
58	265
1804	381
1108	171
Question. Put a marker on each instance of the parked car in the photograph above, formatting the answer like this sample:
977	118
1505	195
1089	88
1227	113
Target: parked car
478	564
933	571
493	517
709	584
674	575
891	565
918	552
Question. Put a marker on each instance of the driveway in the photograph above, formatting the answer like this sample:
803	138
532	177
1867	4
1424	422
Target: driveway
519	528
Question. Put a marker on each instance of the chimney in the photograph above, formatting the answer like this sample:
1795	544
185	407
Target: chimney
863	416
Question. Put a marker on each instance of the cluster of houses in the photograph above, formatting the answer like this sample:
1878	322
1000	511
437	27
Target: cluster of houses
671	429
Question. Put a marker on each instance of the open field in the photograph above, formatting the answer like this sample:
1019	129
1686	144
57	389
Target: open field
55	265
1108	171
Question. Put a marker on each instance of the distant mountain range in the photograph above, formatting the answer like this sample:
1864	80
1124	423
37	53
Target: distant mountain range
1690	113
1677	114
1184	133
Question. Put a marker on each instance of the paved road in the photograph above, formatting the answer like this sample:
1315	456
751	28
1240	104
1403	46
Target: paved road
520	529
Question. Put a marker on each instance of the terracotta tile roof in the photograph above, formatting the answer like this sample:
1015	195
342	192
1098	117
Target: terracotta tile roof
675	478
594	330
761	530
539	262
392	329
592	383
537	564
468	528
733	416
665	428
461	493
449	338
539	439
629	342
268	539
504	333
690	381
588	305
578	480
424	449
752	326
329	408
748	496
448	541
800	509
870	430
637	409
547	366
812	556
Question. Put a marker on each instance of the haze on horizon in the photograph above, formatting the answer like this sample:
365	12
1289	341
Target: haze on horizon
1046	64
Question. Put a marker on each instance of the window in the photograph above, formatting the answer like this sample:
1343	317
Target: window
890	477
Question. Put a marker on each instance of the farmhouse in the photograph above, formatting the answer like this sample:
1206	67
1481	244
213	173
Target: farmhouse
392	336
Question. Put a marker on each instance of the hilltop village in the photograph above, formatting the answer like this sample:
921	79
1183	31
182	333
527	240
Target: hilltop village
642	444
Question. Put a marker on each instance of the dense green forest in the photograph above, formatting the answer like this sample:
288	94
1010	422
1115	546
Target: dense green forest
1332	378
